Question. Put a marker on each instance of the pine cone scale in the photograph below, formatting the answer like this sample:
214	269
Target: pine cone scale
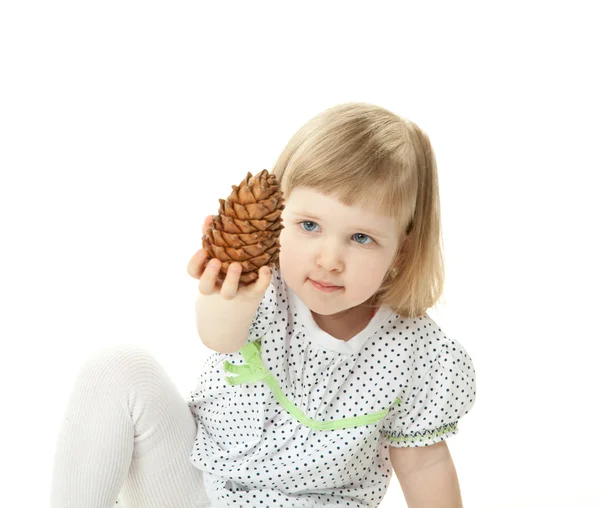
256	210
272	217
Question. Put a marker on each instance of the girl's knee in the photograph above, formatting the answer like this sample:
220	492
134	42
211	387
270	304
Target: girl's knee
119	362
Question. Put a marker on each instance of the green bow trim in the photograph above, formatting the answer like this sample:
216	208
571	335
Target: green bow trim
254	371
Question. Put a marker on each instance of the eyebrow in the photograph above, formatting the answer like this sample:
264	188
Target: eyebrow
374	232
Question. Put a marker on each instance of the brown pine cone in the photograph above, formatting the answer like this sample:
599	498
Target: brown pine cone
247	227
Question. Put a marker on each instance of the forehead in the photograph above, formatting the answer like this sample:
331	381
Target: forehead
366	214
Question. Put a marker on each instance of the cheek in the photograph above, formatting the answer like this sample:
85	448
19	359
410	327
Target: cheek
290	243
283	243
287	248
288	259
368	280
369	273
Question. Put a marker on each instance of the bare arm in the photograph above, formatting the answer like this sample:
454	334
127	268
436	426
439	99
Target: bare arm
223	325
427	476
224	311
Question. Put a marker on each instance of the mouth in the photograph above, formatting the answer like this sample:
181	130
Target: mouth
325	288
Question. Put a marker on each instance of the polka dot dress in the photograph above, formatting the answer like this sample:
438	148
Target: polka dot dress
253	452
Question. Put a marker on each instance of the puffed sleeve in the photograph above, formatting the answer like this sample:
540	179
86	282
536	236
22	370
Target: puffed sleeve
430	410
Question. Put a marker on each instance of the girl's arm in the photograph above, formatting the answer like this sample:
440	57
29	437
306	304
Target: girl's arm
224	311
427	476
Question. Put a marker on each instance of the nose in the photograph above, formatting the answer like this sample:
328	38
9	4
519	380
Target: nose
330	256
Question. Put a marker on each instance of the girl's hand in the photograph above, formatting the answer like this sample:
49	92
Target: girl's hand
225	311
195	265
208	277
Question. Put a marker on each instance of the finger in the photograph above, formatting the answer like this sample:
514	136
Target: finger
232	279
264	279
195	264
209	277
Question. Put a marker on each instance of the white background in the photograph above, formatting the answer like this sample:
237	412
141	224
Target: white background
123	123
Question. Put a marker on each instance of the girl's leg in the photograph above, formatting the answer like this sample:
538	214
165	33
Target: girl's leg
128	431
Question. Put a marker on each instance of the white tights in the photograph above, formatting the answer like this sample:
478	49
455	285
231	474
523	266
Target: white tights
127	434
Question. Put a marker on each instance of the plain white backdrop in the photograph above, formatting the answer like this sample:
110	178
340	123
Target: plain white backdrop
123	123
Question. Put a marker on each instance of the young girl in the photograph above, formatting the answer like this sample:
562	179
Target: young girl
327	373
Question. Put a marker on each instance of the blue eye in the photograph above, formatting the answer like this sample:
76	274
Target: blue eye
307	222
360	238
363	236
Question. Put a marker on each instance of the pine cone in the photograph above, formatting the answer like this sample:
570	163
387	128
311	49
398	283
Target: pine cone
247	227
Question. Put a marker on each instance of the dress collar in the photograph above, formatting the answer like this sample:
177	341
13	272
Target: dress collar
327	341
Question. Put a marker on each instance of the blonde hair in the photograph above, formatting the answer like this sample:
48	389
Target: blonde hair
363	151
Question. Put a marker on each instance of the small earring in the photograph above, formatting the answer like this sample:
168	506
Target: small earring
394	272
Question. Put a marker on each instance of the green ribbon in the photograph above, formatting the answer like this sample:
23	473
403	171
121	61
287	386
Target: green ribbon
254	371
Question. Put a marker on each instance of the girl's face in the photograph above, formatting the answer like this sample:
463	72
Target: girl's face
350	247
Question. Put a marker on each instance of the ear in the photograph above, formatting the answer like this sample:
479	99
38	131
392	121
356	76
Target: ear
406	244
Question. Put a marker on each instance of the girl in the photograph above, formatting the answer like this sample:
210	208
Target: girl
327	373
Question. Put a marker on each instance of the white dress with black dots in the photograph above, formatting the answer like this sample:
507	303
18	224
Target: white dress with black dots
253	452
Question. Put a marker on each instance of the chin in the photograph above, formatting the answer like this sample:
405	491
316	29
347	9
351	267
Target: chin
323	307
323	310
